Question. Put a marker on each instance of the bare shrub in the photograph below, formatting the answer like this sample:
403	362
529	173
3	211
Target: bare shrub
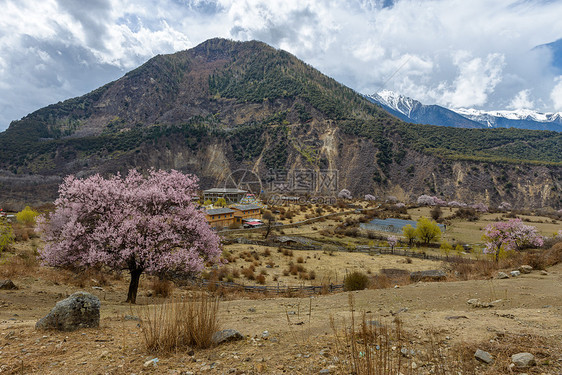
300	260
260	279
248	273
180	323
355	281
162	287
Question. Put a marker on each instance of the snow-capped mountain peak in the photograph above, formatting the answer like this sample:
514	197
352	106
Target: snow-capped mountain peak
399	103
491	118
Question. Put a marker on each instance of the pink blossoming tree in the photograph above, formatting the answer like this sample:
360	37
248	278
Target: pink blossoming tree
392	241
139	223
510	235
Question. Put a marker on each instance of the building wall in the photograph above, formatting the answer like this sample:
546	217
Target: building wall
221	220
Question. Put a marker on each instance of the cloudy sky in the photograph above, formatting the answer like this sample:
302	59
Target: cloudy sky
457	53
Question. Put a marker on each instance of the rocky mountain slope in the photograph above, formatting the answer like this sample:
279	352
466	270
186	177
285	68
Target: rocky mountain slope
224	106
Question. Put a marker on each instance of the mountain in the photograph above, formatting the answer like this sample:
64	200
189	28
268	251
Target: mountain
520	119
226	106
411	110
555	49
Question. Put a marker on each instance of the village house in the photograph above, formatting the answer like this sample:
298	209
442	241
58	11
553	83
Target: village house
246	211
220	217
230	195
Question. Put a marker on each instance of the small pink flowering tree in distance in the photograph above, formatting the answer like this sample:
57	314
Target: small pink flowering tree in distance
139	223
345	194
509	235
392	241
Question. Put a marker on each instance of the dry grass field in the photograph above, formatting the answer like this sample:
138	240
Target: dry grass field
298	333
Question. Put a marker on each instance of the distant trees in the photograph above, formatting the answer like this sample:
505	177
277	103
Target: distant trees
410	233
446	248
27	216
6	234
511	235
139	223
221	202
427	230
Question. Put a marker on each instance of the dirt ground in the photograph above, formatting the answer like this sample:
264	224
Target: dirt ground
299	338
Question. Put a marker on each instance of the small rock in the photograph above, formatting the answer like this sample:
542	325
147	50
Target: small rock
226	335
483	356
325	371
523	359
454	317
265	334
7	285
544	273
131	317
151	362
525	269
251	309
515	273
502	275
404	352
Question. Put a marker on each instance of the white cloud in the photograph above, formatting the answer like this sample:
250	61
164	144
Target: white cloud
556	94
522	101
407	46
477	78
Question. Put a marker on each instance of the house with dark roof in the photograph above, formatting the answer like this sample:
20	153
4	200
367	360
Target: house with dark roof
220	217
230	195
246	211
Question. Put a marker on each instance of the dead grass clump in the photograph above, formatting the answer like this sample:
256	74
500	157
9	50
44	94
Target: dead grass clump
260	279
287	252
248	273
162	287
467	269
375	347
180	324
300	260
19	265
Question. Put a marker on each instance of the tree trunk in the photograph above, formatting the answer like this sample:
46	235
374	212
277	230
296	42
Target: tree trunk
134	285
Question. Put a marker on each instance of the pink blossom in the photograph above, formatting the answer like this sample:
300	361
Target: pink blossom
140	223
345	194
510	235
425	200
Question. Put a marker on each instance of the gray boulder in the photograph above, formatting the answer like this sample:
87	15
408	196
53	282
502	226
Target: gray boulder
226	335
515	273
523	359
502	275
483	356
7	285
80	310
525	269
429	275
